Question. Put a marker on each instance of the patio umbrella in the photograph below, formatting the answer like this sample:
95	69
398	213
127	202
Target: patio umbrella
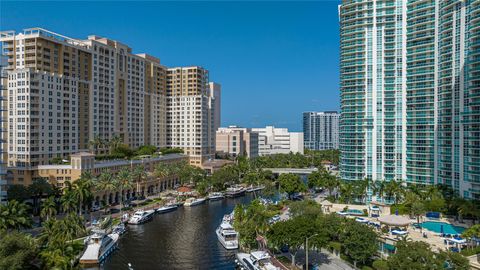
396	212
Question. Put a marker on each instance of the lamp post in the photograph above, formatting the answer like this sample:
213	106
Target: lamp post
306	249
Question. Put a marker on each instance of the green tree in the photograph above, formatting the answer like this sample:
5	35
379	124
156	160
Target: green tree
68	201
139	175
472	232
306	208
394	190
380	265
359	241
414	255
251	221
17	251
291	184
315	180
96	143
49	208
38	189
417	210
293	232
122	151
347	191
18	193
14	216
114	143
82	190
146	150
378	188
223	177
469	208
107	183
124	182
453	260
202	188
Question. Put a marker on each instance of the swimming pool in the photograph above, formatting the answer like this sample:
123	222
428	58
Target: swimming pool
355	212
435	226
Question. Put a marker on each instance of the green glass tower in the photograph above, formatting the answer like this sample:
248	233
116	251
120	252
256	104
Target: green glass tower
410	78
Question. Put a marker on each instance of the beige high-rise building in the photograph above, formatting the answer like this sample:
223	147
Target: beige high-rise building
63	93
235	141
190	113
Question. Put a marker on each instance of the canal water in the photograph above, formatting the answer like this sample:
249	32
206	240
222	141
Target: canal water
182	239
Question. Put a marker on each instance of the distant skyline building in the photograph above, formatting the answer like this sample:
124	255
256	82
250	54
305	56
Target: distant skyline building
273	140
320	130
235	141
215	91
410	92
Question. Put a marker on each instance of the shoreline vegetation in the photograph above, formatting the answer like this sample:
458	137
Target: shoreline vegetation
60	213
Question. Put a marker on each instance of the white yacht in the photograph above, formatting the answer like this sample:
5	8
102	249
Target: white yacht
166	208
215	196
99	246
235	191
257	260
254	188
227	236
194	201
141	216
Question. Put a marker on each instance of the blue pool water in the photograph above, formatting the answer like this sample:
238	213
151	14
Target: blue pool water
435	226
355	212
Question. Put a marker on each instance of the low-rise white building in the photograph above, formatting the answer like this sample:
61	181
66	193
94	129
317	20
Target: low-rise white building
273	140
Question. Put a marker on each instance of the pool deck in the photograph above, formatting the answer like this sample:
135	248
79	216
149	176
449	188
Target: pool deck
433	238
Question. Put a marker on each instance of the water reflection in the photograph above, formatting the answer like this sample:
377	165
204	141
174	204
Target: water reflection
183	239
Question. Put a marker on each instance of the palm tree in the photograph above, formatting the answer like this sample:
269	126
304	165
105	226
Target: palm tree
96	143
469	208
115	142
417	209
331	182
379	189
14	215
124	181
49	208
106	183
140	175
394	190
68	201
347	190
38	189
163	171
82	191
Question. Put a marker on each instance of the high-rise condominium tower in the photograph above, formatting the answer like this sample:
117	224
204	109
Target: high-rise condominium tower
190	113
64	94
4	128
410	93
320	130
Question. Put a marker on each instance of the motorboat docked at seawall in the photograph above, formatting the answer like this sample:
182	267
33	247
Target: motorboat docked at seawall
227	236
215	196
194	201
140	217
254	188
235	191
120	229
166	208
257	260
99	246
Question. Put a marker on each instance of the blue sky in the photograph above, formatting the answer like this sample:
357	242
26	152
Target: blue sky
273	59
